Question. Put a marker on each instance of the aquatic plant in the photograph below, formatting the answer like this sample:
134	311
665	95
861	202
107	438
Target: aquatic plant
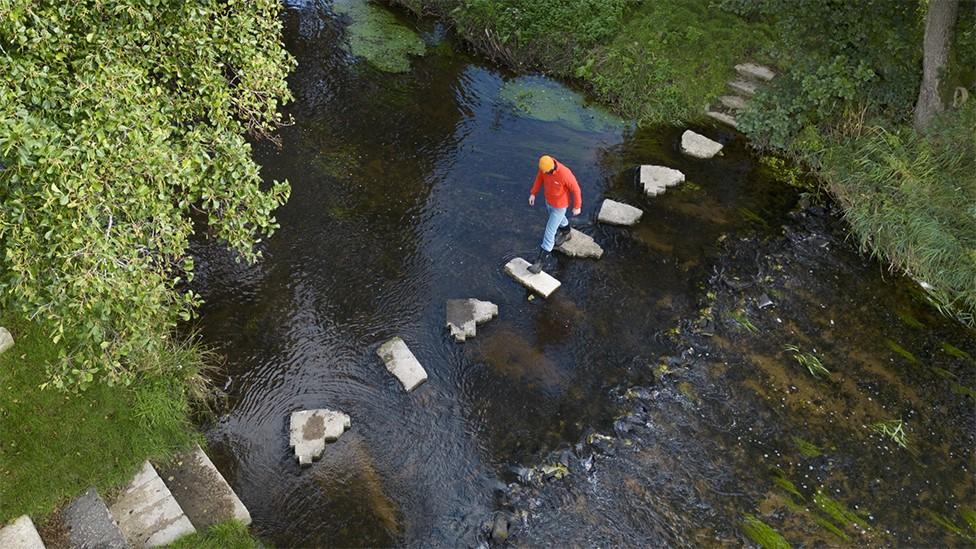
952	350
547	101
763	534
740	318
808	361
968	515
893	429
806	448
376	35
838	511
902	351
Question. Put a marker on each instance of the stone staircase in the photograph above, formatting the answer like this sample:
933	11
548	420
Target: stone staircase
152	510
751	78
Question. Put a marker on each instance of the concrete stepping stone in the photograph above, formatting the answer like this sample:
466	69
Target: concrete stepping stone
541	283
744	87
699	146
311	429
6	340
463	316
147	513
202	491
755	71
734	102
581	245
20	534
618	213
657	179
726	119
401	363
90	525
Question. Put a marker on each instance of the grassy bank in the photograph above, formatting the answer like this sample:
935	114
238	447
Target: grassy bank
842	105
55	444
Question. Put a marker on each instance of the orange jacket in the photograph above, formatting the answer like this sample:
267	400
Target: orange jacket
557	186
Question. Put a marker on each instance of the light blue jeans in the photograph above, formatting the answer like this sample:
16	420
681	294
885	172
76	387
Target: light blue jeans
557	218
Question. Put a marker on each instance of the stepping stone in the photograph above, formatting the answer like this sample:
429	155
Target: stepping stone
202	491
147	513
699	146
311	429
618	213
20	534
744	87
463	316
90	525
757	72
733	102
401	363
581	245
656	179
541	283
6	340
723	118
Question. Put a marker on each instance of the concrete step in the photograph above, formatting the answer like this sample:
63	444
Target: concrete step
90	525
401	363
6	340
20	534
309	430
734	102
464	315
755	71
744	87
723	118
147	512
580	245
618	213
202	492
541	283
656	179
698	146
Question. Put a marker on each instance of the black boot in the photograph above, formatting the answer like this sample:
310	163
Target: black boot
540	262
563	235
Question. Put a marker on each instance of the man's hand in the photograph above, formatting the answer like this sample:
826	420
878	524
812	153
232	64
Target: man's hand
531	200
576	211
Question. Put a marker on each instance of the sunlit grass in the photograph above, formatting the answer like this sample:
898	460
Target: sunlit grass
808	361
893	429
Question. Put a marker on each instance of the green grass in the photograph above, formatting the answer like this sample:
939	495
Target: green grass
763	534
55	444
893	429
226	535
808	361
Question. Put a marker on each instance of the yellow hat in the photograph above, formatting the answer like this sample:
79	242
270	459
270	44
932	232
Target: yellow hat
546	163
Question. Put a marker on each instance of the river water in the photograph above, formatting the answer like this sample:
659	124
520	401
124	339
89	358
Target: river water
409	188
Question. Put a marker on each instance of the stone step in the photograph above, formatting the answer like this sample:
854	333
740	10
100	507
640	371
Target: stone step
20	534
202	492
656	179
90	525
734	102
723	118
147	513
618	213
698	146
541	283
401	363
309	430
744	87
755	71
464	315
580	245
6	340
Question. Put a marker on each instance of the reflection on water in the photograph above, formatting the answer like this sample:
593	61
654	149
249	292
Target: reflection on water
409	189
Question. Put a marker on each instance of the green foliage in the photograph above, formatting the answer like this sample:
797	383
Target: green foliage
808	361
118	122
763	534
893	429
56	444
226	535
375	34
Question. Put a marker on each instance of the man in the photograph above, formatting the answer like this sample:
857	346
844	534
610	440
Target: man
558	183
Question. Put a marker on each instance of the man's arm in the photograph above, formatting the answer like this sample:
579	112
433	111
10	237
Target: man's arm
577	194
535	188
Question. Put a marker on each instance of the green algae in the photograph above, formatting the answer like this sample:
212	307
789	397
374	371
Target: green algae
806	448
893	429
963	390
548	101
376	35
952	350
909	319
763	534
968	515
902	351
837	511
779	478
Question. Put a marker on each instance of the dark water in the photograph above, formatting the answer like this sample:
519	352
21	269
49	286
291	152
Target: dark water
408	190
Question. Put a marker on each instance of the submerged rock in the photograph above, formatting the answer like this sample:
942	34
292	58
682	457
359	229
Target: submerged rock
499	528
311	429
699	146
463	316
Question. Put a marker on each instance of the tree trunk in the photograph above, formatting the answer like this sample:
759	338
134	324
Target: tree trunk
939	21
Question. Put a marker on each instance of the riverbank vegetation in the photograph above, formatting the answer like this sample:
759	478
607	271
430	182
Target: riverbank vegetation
123	132
844	103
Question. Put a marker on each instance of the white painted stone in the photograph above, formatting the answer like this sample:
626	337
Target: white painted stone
147	513
401	363
733	102
723	118
6	340
744	87
311	429
618	213
753	70
656	179
463	316
699	146
541	283
581	245
20	534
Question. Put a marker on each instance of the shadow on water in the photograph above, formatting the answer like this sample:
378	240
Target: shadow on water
408	189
